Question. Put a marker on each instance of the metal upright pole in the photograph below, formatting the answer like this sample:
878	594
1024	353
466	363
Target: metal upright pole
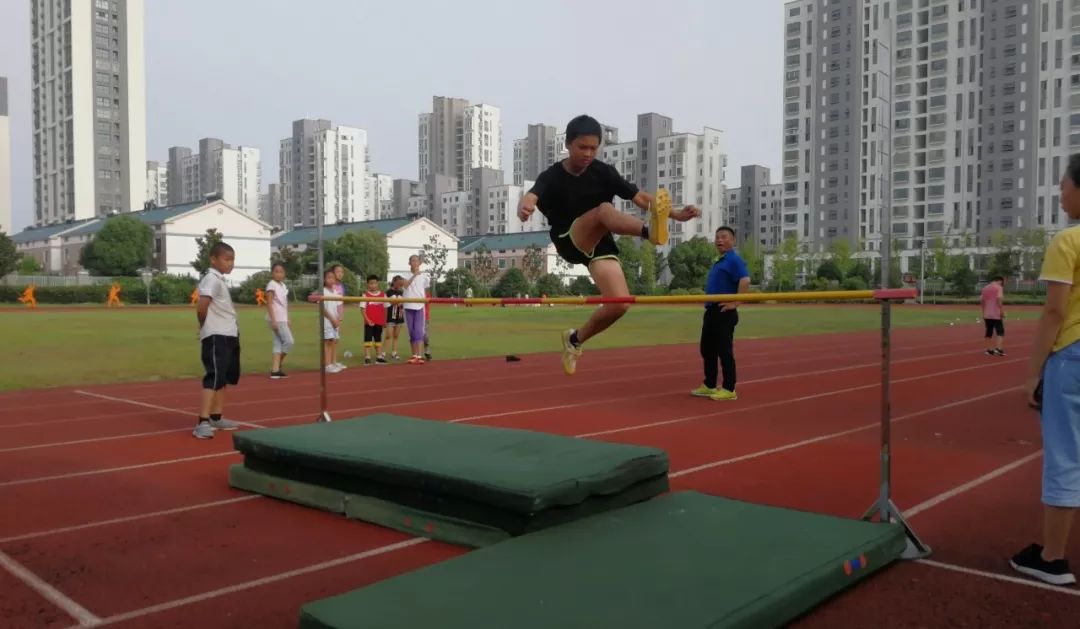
324	414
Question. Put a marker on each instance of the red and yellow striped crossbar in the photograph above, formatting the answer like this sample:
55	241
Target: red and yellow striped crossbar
895	294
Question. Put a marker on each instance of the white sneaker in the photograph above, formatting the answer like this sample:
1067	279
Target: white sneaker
203	431
333	369
224	424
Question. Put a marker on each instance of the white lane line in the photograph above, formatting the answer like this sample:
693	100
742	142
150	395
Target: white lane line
153	406
85	617
109	470
968	486
1004	578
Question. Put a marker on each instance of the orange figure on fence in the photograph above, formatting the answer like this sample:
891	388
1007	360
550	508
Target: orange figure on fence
195	296
114	296
28	297
260	297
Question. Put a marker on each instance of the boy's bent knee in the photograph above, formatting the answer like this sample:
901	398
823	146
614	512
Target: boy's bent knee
616	311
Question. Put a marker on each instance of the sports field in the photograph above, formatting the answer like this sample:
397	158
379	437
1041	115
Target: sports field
71	346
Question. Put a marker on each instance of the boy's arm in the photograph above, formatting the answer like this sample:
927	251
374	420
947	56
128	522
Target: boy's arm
527	206
270	307
202	308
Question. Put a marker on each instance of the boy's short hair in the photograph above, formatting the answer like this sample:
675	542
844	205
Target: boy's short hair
583	125
221	247
396	278
327	272
999	278
373	277
276	265
725	228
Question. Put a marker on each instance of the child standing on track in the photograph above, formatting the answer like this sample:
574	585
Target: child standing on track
277	314
332	327
219	335
395	314
416	287
374	321
993	315
575	195
339	289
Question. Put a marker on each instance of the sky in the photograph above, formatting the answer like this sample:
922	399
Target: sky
243	70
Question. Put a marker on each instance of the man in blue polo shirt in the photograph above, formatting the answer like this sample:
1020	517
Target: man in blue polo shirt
728	275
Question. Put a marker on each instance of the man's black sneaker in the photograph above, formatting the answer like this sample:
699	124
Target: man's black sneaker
1030	562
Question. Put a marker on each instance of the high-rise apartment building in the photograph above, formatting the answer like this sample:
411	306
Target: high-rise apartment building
157	183
455	138
89	108
754	208
233	173
951	120
323	170
543	146
5	162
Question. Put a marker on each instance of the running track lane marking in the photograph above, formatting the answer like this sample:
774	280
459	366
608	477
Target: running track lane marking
247	585
130	518
1005	578
53	595
25	481
151	433
153	406
966	487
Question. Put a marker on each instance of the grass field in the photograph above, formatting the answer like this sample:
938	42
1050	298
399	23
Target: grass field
63	346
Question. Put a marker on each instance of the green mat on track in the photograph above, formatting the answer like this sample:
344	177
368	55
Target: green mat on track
684	560
514	470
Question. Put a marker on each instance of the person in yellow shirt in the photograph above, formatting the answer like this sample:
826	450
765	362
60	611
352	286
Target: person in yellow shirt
1054	376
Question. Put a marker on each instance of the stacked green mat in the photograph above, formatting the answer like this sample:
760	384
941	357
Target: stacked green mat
463	484
683	560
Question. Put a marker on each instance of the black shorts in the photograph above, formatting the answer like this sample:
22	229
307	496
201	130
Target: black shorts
372	334
221	359
568	251
994	325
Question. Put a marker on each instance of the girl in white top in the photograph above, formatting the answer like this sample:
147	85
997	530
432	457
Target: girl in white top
277	315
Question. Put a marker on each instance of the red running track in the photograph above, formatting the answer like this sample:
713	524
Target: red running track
115	516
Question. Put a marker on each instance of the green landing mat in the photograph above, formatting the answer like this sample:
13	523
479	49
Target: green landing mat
514	470
684	560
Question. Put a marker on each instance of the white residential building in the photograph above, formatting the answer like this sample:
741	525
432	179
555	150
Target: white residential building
754	208
949	119
457	137
323	170
6	225
690	166
157	183
89	108
380	197
219	169
239	178
543	146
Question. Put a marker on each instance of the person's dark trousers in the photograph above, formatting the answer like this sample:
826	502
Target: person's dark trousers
718	345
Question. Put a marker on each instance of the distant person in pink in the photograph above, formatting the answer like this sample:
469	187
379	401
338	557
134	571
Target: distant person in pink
993	315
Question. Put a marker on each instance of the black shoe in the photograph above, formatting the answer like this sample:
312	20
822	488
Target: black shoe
427	356
999	352
277	375
1030	562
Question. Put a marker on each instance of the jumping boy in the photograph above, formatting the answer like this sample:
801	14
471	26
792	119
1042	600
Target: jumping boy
277	315
219	335
374	321
575	196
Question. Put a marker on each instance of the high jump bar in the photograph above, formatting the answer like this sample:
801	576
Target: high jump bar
895	294
883	506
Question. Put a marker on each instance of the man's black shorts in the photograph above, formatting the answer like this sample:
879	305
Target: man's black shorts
221	360
606	248
372	333
994	325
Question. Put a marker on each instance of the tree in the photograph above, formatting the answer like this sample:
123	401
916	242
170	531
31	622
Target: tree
690	262
647	276
841	257
582	285
1005	260
549	284
201	263
630	260
457	281
532	264
28	265
511	284
435	254
829	270
962	278
294	266
786	264
9	257
362	251
121	247
483	267
755	261
1033	249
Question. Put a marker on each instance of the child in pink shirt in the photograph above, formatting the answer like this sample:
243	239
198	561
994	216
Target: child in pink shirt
993	316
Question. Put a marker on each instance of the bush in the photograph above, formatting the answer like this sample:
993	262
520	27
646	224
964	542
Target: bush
854	283
251	284
172	289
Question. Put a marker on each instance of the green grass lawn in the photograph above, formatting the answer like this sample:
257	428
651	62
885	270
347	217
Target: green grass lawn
58	346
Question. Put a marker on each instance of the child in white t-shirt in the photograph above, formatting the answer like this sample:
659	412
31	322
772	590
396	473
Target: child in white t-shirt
277	315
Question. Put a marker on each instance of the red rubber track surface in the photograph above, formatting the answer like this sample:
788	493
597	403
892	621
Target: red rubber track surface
113	515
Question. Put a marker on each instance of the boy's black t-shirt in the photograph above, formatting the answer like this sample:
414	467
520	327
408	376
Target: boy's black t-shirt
562	197
396	312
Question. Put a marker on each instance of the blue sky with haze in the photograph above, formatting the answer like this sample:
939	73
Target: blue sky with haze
243	70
